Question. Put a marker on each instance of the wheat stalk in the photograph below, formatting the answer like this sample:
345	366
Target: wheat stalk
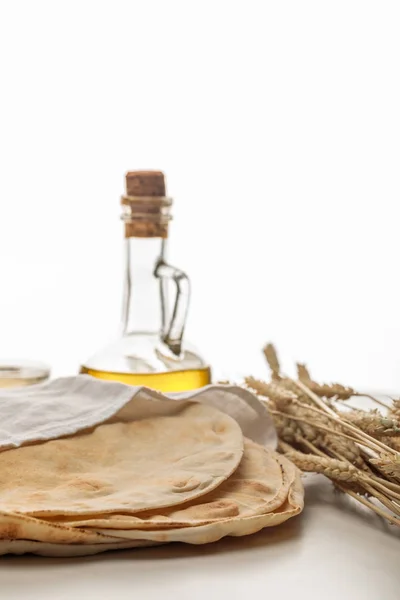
302	372
327	440
272	360
376	400
388	466
374	423
368	504
343	475
395	409
273	390
333	390
334	469
357	450
362	437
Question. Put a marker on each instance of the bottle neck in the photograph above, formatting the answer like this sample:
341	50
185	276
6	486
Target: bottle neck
148	275
144	301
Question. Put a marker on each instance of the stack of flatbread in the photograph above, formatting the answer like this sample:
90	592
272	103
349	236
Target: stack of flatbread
177	471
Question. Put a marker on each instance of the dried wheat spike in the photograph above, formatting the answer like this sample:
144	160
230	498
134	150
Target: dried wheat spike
388	465
339	470
309	433
290	385
393	442
347	449
282	399
374	423
303	373
272	390
395	412
335	391
324	390
327	441
272	360
287	430
285	400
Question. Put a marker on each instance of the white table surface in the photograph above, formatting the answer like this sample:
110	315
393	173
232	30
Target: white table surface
332	551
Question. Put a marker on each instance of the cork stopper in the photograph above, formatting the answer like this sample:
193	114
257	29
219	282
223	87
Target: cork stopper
145	183
146	208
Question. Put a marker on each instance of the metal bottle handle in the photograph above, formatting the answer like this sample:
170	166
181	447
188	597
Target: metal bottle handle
172	332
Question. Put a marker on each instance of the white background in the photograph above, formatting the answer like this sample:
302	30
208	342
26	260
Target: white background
278	127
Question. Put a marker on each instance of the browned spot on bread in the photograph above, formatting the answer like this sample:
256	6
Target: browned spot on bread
185	485
228	508
179	482
37	496
219	428
9	531
86	485
259	487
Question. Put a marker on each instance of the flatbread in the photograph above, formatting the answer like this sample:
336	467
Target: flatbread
258	486
234	526
21	527
202	534
123	467
67	550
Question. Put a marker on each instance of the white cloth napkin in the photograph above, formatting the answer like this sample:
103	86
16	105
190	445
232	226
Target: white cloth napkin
67	405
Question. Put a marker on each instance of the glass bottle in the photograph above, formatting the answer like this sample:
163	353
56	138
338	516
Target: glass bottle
151	349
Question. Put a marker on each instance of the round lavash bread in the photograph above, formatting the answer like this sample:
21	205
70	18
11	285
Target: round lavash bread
286	502
259	485
235	526
21	527
67	550
20	534
123	467
264	491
